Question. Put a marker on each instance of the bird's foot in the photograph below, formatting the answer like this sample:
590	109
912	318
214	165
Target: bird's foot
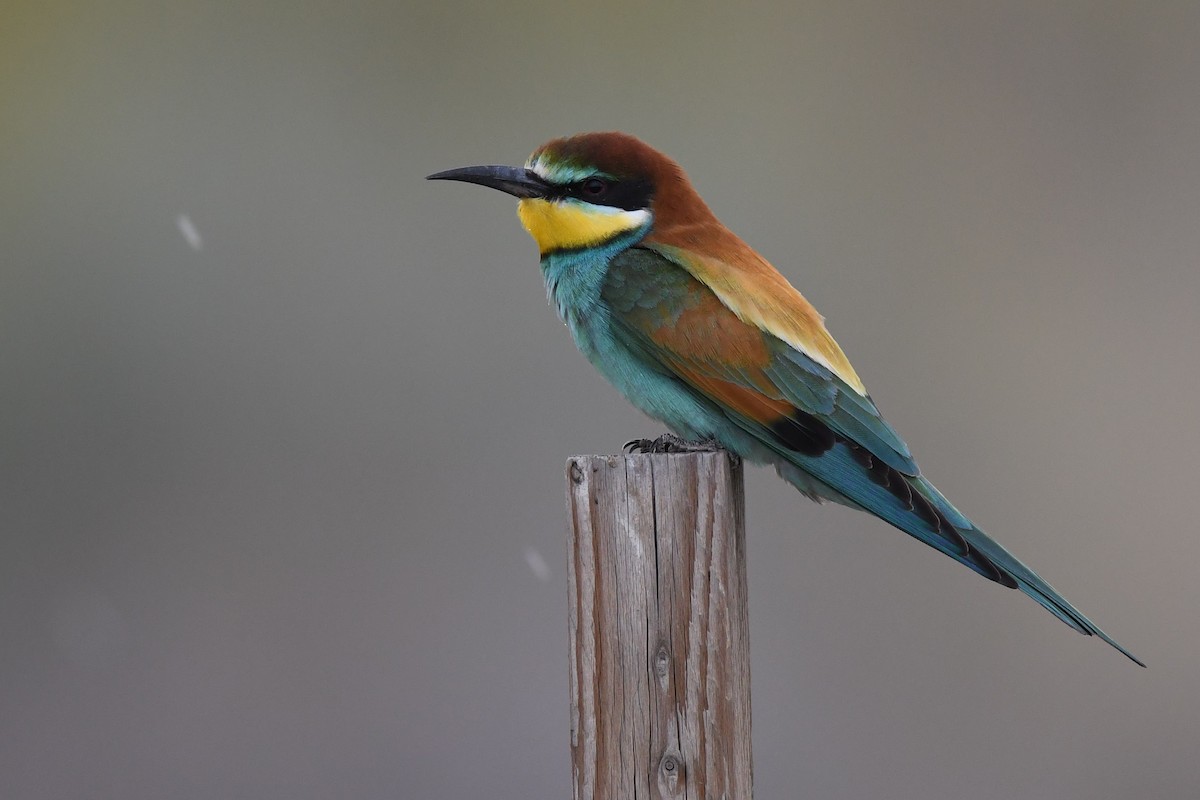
670	443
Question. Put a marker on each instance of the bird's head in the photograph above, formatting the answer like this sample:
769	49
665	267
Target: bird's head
590	189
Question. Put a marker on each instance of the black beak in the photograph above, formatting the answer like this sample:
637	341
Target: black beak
517	181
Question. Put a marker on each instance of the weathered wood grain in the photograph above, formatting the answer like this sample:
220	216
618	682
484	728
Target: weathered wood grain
660	654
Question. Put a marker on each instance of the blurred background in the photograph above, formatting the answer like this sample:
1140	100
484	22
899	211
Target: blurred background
283	426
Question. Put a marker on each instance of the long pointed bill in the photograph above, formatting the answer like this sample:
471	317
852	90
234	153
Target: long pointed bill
516	181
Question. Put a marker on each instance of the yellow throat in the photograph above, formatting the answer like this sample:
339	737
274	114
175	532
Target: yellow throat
569	225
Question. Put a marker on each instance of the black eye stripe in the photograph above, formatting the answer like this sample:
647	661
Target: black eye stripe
628	195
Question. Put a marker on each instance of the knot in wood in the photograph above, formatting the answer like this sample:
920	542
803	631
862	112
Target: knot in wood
576	473
662	661
671	772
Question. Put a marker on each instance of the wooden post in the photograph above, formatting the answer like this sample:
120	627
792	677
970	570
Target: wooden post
660	654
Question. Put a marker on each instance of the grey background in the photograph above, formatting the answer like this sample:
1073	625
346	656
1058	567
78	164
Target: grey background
272	508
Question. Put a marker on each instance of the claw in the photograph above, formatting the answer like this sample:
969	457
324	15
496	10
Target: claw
670	443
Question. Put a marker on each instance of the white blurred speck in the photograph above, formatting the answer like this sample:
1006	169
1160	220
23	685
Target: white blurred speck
538	564
188	229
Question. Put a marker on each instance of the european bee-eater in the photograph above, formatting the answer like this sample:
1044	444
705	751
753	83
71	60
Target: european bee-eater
701	333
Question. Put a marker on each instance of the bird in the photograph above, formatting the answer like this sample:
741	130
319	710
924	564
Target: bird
701	333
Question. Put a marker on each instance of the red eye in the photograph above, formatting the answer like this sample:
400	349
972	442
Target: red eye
595	187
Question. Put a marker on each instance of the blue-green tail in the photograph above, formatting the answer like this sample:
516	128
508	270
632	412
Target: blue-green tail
915	506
